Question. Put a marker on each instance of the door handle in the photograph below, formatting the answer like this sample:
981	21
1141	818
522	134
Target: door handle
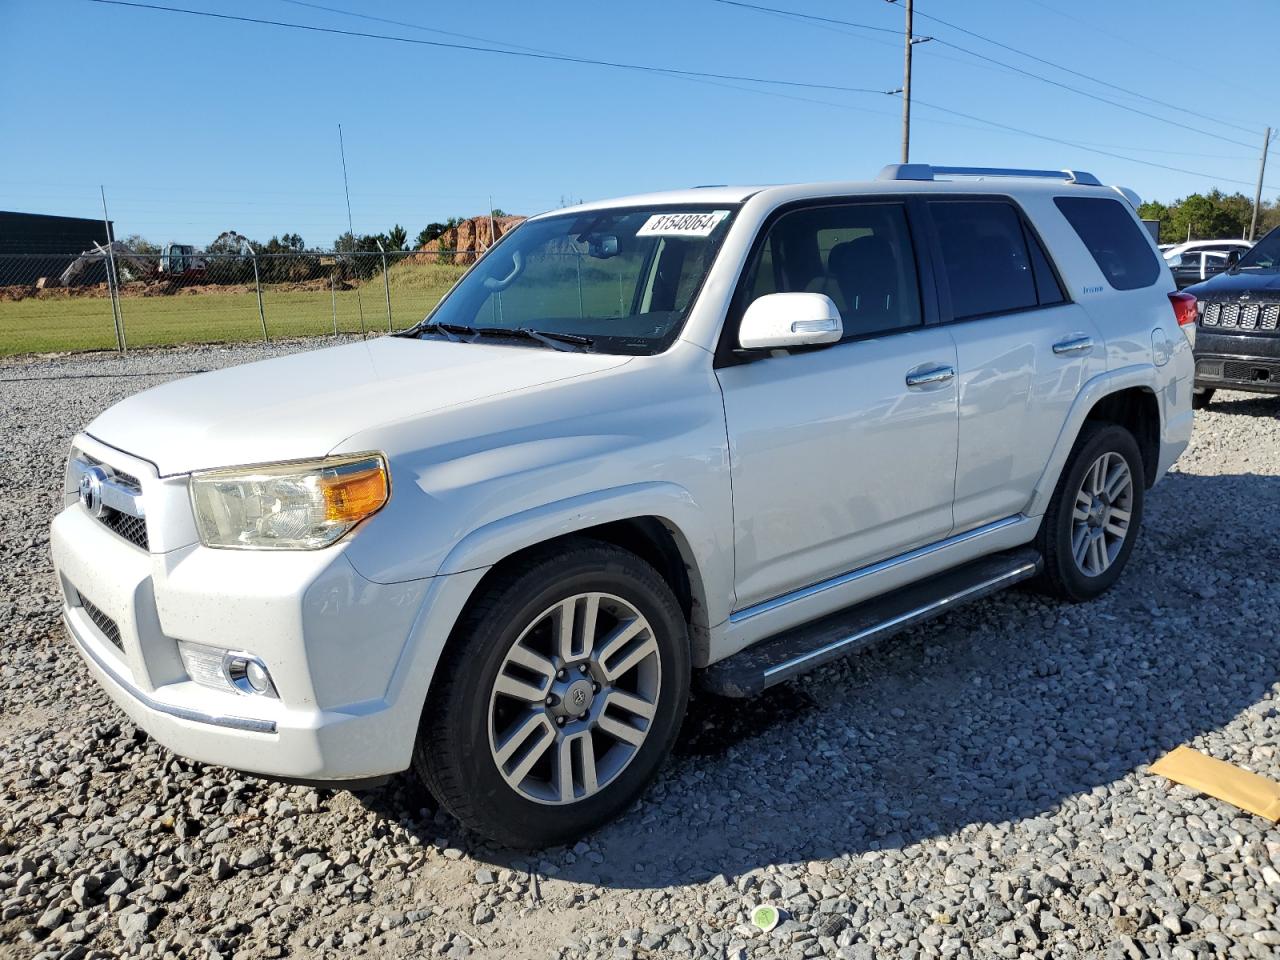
1073	345
923	377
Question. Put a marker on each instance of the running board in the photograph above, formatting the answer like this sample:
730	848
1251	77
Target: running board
810	645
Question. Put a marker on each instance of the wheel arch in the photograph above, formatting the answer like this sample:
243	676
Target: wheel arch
658	521
1126	396
1137	410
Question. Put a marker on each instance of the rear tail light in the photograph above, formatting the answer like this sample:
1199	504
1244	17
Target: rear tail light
1184	307
1185	311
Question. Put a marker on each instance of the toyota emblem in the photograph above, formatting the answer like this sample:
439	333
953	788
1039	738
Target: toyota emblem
91	490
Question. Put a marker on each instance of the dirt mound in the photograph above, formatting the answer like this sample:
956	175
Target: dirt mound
468	237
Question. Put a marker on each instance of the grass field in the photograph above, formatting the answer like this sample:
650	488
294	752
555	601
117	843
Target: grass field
39	325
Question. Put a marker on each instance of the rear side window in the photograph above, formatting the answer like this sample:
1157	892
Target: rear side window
985	256
1118	245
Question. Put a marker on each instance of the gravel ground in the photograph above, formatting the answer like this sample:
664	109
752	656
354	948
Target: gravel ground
975	788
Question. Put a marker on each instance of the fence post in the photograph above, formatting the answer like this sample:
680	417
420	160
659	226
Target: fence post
386	283
117	311
257	284
333	295
117	321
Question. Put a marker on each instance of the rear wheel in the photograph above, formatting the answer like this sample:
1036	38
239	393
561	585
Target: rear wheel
1200	399
1093	519
558	698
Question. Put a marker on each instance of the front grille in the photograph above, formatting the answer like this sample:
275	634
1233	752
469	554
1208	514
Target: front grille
103	623
133	529
124	479
1243	316
127	526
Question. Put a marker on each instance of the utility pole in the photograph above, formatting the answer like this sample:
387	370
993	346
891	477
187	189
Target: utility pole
906	88
1257	194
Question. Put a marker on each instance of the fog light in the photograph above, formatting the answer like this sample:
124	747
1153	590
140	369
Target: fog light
248	674
231	671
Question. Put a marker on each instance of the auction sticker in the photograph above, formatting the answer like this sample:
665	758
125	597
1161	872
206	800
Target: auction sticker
694	224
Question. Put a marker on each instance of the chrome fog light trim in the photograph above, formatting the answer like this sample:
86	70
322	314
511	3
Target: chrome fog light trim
248	674
232	671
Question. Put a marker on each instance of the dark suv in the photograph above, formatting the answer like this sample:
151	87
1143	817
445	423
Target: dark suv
1238	342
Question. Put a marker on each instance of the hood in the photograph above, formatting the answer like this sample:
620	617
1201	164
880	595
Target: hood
305	404
1230	286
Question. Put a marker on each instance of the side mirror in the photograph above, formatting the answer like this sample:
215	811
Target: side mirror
1233	257
780	320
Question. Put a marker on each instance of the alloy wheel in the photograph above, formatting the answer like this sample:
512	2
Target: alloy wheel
1100	519
574	698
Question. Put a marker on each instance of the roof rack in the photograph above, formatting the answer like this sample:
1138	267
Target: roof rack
925	171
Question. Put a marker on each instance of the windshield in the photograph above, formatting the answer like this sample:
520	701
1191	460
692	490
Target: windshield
620	281
1264	255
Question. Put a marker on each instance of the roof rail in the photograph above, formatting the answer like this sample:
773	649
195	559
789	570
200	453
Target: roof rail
925	171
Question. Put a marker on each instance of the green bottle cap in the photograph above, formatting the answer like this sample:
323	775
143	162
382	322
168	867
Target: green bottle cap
765	917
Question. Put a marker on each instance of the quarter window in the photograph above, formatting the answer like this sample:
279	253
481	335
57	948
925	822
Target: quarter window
859	255
992	264
1118	245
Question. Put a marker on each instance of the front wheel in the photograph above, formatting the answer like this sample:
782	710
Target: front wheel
559	696
1093	519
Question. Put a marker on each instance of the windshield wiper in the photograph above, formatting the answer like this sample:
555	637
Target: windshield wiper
451	331
557	341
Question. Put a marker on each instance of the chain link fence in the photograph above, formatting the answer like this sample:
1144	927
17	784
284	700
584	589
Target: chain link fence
115	300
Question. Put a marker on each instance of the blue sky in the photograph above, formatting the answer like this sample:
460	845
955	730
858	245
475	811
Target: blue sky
196	125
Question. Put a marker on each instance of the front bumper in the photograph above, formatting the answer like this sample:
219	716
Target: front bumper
350	659
1249	362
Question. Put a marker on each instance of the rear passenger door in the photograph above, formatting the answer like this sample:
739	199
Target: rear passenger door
1023	351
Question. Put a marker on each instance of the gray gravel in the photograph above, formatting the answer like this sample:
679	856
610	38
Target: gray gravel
975	788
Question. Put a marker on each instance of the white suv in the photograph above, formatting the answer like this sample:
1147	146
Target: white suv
724	434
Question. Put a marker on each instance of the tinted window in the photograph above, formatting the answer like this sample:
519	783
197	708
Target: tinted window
859	255
1048	290
985	257
1118	245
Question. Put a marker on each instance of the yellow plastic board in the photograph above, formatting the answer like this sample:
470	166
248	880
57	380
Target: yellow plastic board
1220	779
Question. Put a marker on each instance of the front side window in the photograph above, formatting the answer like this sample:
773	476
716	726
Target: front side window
860	255
623	279
1117	243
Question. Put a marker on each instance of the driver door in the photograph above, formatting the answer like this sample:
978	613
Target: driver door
840	455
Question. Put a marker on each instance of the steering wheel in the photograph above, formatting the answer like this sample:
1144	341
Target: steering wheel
495	283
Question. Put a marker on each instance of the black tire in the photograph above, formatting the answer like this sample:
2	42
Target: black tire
1200	399
1062	576
452	755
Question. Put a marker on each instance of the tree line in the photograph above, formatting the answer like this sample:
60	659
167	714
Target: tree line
1209	216
395	240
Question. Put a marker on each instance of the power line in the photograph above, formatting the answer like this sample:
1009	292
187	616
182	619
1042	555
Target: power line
671	71
1016	69
1079	146
1083	76
1091	96
475	48
413	26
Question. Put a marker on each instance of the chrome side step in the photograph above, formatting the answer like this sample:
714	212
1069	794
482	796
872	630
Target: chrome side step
840	634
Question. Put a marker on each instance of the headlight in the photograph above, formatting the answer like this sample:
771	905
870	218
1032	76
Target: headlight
288	506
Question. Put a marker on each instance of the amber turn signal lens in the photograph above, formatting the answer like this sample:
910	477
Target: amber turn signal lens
349	497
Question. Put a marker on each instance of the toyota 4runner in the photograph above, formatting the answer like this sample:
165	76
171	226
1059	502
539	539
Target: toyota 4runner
720	435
